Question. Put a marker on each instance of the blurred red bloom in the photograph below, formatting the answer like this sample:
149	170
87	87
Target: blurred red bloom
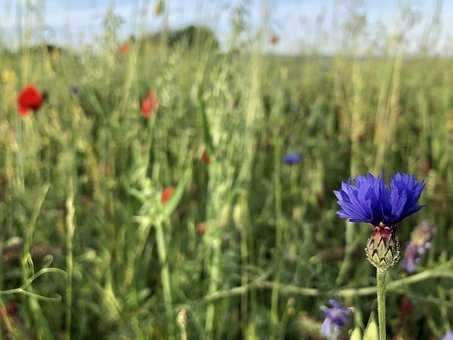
124	48
274	39
406	305
149	104
205	157
29	99
201	229
9	310
166	195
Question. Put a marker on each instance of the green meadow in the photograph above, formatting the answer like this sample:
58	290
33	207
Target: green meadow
246	247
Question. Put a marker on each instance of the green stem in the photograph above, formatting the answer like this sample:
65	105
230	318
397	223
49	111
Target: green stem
380	278
69	259
165	275
347	261
279	240
213	286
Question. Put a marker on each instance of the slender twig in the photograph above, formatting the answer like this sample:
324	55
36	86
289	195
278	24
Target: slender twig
346	292
23	289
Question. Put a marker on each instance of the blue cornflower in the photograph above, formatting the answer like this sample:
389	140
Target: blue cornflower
75	90
368	199
336	317
419	244
292	158
448	336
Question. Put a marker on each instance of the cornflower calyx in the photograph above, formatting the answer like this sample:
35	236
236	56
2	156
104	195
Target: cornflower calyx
382	249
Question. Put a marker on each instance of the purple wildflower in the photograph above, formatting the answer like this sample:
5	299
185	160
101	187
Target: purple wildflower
292	158
448	336
368	199
411	258
420	242
336	317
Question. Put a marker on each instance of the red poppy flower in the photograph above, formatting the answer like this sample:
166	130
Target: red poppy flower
274	39
124	48
166	195
29	99
201	229
205	157
149	104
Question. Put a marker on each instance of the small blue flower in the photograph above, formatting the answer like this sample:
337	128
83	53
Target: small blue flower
448	336
292	158
336	317
368	199
419	244
75	90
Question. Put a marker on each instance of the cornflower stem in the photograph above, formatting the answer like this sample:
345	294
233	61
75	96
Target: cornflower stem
380	288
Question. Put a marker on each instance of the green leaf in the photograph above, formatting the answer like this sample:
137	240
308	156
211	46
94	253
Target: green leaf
205	124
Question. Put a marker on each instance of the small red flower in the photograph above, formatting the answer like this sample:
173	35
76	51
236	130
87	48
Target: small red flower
149	104
29	99
124	48
166	195
201	229
205	157
406	305
274	39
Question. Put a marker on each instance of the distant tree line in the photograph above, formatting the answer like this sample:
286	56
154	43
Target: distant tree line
188	37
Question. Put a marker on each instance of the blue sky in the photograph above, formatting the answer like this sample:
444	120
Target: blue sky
300	24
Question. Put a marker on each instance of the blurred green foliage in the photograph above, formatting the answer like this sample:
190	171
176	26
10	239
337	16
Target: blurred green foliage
230	255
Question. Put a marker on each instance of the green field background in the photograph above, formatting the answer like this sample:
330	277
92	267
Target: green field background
247	247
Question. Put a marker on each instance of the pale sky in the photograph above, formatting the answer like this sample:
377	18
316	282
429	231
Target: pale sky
299	24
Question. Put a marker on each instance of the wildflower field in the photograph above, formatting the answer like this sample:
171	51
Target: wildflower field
182	191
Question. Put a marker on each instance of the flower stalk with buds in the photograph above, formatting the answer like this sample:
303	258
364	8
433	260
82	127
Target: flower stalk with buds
368	199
